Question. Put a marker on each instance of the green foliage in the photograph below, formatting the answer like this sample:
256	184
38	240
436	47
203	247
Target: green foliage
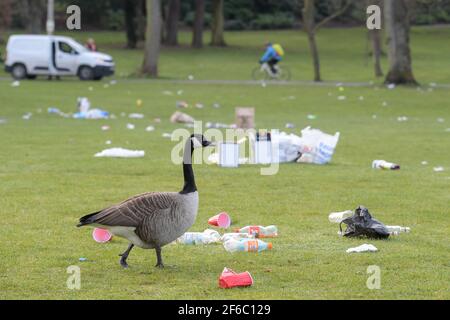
273	21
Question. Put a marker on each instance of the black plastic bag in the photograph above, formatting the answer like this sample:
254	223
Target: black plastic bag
361	224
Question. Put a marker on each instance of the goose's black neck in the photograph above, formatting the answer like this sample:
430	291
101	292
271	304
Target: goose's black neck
189	181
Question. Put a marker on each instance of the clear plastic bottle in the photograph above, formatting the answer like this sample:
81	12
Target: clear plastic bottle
337	217
382	164
249	245
260	231
395	230
206	237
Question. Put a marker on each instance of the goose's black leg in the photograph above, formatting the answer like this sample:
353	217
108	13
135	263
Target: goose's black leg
159	263
124	256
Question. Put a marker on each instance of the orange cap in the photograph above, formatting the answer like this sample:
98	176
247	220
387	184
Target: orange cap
269	245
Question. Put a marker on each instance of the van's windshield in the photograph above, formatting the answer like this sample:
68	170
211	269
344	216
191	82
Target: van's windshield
77	46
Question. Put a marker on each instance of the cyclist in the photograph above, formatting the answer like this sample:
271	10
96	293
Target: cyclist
272	56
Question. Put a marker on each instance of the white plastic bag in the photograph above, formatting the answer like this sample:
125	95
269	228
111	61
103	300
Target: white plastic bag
317	147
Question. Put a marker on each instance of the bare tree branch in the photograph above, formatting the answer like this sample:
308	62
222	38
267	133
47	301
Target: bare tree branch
334	15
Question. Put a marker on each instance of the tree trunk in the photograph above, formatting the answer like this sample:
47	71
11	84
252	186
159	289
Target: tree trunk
375	36
5	18
152	38
199	20
217	38
396	14
173	18
32	13
130	23
140	20
309	25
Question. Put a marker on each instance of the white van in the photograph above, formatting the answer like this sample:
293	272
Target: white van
28	56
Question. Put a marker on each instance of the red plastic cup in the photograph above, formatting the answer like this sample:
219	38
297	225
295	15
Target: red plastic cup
230	279
101	235
221	220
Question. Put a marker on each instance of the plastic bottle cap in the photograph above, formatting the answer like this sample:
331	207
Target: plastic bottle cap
269	245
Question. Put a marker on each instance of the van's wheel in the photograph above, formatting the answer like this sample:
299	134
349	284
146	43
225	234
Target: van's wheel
98	78
31	76
19	71
86	73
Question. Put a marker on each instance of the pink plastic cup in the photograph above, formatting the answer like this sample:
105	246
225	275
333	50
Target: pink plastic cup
221	220
101	235
230	279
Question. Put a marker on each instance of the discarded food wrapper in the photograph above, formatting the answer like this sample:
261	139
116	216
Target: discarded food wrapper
150	128
199	106
391	86
180	117
101	235
108	142
290	125
230	279
216	105
167	135
82	259
120	153
221	220
105	127
424	163
337	217
190	77
441	120
206	237
363	248
382	164
15	83
438	169
130	126
402	119
341	98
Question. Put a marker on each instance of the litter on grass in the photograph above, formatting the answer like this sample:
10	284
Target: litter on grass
15	84
130	126
182	104
27	116
150	128
206	237
246	245
438	169
180	117
395	230
221	220
120	153
230	279
337	217
3	121
136	116
382	164
362	224
260	231
363	248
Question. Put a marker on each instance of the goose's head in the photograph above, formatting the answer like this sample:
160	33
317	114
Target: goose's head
199	141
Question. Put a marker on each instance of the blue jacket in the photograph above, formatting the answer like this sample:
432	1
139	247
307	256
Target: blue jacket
270	54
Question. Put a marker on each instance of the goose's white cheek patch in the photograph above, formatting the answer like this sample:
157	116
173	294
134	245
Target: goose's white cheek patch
196	143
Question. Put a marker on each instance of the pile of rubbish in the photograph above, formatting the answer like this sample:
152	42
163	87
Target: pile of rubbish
361	224
313	146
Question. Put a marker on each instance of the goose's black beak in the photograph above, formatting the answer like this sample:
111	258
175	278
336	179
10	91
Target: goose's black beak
207	143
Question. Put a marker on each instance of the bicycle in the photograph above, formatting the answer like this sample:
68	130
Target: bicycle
263	72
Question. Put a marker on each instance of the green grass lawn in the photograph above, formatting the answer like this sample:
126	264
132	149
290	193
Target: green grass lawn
49	178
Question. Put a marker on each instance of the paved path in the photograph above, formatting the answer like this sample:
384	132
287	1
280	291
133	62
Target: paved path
249	82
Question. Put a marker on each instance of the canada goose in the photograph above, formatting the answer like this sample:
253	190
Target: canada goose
153	219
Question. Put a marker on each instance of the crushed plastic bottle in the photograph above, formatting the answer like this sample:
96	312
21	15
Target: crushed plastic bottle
206	237
249	245
395	230
236	236
337	217
260	231
382	164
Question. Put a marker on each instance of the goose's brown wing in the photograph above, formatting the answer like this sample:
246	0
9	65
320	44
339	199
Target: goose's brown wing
131	212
